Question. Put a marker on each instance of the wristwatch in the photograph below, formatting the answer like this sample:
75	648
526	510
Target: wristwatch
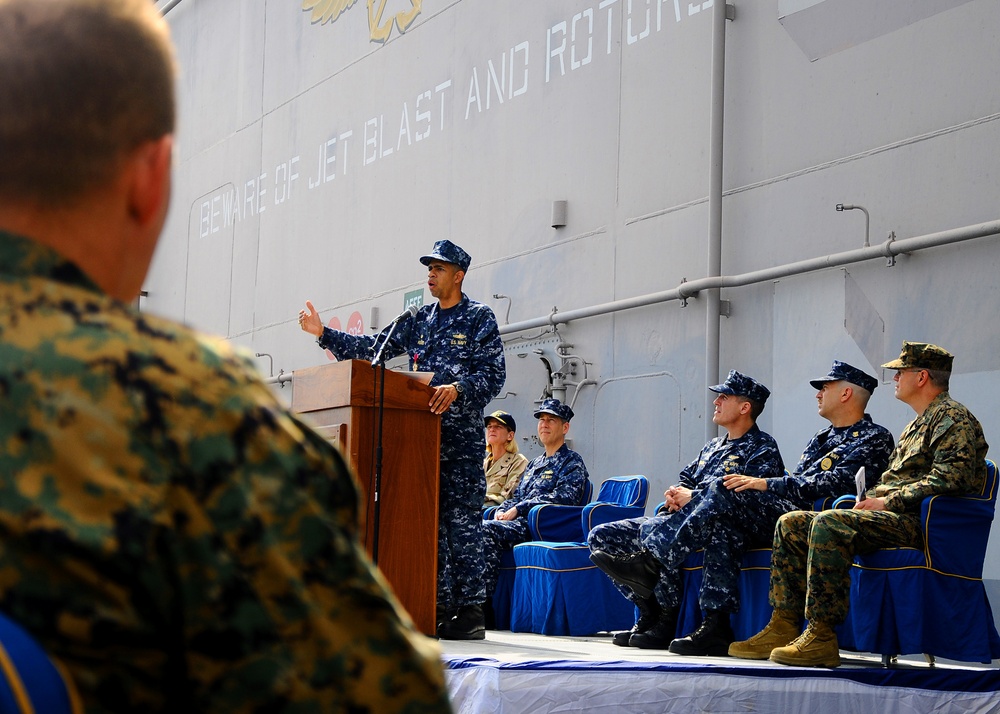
458	388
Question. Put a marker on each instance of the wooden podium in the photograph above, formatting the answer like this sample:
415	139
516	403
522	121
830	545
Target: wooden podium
340	400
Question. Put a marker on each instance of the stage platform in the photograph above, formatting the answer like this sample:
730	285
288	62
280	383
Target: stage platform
514	673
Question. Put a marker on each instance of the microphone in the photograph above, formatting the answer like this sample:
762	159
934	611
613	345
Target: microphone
411	311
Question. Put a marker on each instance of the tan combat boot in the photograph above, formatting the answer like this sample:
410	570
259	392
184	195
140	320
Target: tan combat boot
782	629
816	647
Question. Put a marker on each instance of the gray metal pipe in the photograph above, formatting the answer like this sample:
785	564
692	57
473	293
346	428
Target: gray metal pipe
716	138
689	289
168	6
281	379
888	249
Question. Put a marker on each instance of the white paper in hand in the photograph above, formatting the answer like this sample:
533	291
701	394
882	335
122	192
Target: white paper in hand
859	481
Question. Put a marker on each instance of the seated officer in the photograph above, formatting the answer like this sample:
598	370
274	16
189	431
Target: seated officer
941	451
557	476
733	518
503	464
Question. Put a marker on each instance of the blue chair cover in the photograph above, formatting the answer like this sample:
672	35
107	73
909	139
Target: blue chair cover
558	591
620	497
930	600
30	681
501	600
552	522
754	582
690	615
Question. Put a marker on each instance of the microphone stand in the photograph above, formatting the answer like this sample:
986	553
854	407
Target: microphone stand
377	361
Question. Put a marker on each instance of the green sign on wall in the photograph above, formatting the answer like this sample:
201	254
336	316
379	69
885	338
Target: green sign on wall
414	297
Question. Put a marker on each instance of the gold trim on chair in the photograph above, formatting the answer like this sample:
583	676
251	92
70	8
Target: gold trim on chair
17	687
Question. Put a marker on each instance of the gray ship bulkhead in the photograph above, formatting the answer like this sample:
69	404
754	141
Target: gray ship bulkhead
317	160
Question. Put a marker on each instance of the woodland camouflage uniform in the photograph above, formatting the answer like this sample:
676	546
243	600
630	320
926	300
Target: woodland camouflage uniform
169	531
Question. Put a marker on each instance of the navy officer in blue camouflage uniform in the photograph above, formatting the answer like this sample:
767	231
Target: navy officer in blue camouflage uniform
834	454
457	339
643	555
558	476
727	518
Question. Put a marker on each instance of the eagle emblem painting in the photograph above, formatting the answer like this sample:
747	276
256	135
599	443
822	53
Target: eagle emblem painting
324	11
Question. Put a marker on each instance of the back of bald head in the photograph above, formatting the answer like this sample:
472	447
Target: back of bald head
82	84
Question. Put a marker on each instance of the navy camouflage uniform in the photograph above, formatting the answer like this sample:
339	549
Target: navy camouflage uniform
169	531
559	478
460	344
721	521
832	458
942	450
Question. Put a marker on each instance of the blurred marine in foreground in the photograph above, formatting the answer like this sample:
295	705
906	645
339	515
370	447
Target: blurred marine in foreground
168	531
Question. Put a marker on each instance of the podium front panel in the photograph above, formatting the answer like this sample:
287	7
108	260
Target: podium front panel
408	494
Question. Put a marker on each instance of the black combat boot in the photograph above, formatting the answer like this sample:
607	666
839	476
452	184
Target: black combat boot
711	639
489	617
442	616
659	636
467	624
649	615
639	571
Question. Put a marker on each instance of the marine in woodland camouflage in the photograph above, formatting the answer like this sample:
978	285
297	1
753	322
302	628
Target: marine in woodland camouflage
169	531
943	450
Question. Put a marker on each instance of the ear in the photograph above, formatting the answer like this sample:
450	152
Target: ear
459	276
565	428
148	174
846	395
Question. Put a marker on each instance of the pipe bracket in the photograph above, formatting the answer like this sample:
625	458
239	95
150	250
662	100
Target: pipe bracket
890	256
680	292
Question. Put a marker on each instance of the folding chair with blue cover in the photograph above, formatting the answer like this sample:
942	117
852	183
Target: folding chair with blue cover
505	581
929	600
557	590
754	584
31	682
